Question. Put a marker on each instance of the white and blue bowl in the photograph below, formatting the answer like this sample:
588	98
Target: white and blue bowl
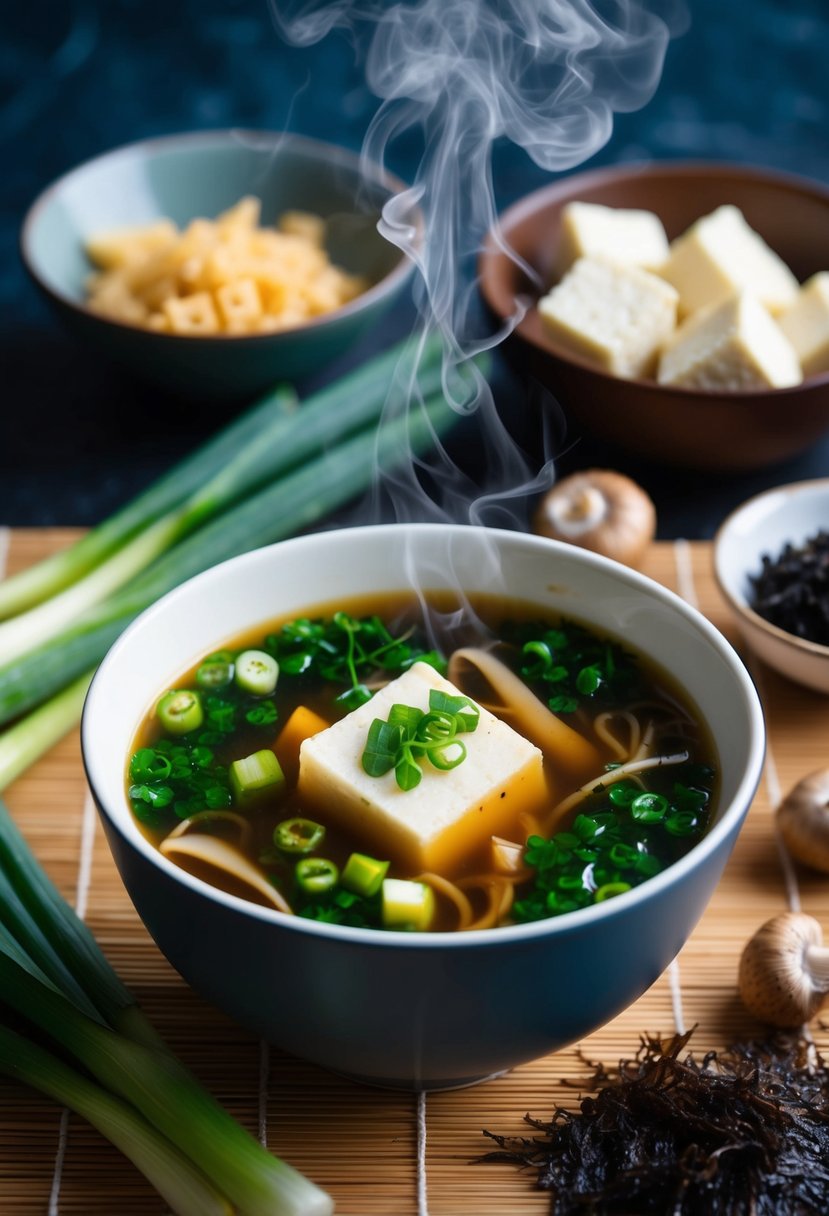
421	1011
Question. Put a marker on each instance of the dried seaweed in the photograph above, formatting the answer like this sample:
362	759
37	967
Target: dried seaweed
792	589
744	1132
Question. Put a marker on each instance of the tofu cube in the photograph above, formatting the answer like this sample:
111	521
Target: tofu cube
449	815
806	324
735	345
627	236
618	316
721	255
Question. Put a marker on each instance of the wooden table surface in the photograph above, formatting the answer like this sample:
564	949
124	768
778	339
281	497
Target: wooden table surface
382	1153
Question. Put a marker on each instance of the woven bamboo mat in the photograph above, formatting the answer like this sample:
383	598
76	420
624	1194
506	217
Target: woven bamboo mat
381	1153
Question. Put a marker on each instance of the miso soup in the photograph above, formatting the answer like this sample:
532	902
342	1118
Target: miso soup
382	765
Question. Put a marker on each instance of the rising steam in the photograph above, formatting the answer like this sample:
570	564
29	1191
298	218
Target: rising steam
460	75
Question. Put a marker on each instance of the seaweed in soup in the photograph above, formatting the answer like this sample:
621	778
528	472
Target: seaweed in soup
648	802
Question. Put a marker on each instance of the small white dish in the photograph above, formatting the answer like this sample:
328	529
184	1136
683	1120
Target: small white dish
764	525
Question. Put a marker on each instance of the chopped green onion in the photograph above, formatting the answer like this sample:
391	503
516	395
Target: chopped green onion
298	835
682	823
215	672
407	905
180	711
622	795
256	672
649	808
256	776
316	875
409	734
363	875
623	854
609	890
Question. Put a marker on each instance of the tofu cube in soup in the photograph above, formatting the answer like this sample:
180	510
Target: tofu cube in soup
449	815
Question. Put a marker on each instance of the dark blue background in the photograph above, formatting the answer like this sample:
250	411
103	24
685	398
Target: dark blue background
747	81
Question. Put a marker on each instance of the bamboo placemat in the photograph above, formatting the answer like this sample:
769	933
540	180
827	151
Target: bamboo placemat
381	1153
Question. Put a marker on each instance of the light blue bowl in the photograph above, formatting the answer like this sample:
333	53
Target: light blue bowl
202	174
419	1010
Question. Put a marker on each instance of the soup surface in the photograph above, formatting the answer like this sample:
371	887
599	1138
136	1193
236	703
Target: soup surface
560	769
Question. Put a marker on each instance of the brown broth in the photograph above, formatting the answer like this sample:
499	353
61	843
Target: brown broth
451	624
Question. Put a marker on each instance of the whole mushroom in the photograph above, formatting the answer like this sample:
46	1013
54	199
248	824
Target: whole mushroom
783	976
803	820
600	510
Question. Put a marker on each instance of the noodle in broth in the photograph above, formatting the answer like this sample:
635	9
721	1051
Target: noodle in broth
629	764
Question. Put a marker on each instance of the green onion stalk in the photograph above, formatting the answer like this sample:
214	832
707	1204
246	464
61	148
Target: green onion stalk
184	1187
142	1097
284	438
68	939
257	1183
348	403
50	576
28	739
291	504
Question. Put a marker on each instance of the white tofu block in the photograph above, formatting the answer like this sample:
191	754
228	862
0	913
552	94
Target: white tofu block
806	324
721	255
627	236
735	345
449	815
619	316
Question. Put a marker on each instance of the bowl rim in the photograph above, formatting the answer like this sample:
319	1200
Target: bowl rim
504	936
493	252
736	600
334	154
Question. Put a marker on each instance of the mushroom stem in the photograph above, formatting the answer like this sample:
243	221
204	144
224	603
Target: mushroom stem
784	970
582	511
816	961
601	510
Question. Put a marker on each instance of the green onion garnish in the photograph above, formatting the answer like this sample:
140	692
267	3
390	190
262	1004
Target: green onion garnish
256	776
298	835
409	734
316	874
256	672
180	711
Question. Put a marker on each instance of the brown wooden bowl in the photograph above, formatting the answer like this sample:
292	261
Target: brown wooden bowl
695	429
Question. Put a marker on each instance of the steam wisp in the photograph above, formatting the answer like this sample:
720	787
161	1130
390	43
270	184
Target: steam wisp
461	75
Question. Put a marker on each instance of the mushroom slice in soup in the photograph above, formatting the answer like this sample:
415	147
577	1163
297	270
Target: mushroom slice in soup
217	854
515	703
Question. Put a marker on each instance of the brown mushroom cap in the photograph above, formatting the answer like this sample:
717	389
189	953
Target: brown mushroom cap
803	820
784	970
600	510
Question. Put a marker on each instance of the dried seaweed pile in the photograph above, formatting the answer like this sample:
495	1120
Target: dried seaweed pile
792	590
742	1133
